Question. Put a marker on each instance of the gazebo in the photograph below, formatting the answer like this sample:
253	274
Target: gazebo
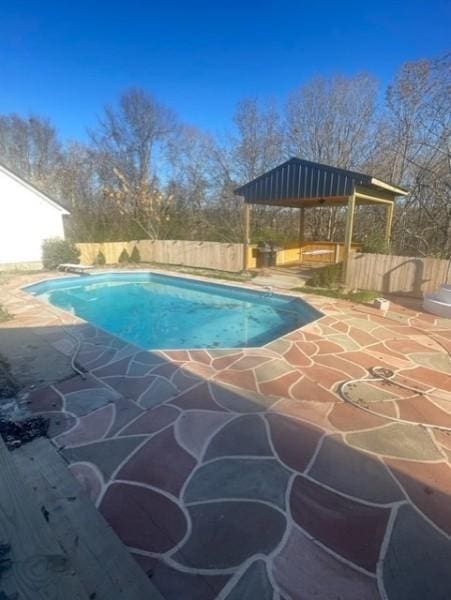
302	184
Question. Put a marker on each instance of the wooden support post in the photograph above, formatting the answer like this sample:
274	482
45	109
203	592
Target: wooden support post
348	235
246	229
388	221
301	224
301	230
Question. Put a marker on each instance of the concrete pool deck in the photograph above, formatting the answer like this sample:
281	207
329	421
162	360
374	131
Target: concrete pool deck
243	474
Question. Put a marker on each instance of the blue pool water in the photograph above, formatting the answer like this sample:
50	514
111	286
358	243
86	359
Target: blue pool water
156	311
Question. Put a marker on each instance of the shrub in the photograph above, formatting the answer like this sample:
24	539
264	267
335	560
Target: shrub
100	258
56	251
326	277
135	256
375	243
124	256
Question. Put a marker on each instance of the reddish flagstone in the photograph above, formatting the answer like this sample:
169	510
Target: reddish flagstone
43	400
363	338
296	357
315	413
304	570
150	463
294	441
326	376
430	377
385	359
309	348
178	355
222	362
199	369
78	383
249	362
90	428
384	348
312	337
310	390
327	347
281	385
406	346
347	417
336	362
340	326
365	359
353	530
240	379
422	410
428	486
143	518
201	356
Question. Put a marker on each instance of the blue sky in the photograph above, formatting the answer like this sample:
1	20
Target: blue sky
65	60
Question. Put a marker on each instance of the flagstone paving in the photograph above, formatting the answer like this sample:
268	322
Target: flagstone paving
243	473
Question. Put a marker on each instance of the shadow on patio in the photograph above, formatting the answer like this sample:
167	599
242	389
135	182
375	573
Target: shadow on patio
221	492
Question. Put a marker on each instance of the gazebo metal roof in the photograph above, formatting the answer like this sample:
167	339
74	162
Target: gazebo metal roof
299	183
303	184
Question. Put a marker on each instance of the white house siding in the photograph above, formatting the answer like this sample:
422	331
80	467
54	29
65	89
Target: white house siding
27	217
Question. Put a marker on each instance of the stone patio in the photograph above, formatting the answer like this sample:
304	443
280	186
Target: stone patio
239	474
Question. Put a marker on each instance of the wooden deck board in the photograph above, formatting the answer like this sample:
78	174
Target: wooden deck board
105	566
40	569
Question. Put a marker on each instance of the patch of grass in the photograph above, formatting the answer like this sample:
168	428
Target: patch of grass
360	296
4	315
212	273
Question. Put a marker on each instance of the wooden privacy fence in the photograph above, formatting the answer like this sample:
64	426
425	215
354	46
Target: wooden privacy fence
207	255
397	274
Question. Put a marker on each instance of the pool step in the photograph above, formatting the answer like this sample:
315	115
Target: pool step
99	561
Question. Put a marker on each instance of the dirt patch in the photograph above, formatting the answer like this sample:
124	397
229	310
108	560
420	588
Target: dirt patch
16	433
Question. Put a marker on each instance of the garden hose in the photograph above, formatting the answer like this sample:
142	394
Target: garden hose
379	373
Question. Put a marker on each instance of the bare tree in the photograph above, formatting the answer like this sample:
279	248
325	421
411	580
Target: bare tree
30	147
418	153
332	121
255	146
129	140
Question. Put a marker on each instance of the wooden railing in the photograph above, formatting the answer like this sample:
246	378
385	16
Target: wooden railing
310	252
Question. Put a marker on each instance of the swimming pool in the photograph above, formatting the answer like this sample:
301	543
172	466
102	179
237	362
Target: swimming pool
157	311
